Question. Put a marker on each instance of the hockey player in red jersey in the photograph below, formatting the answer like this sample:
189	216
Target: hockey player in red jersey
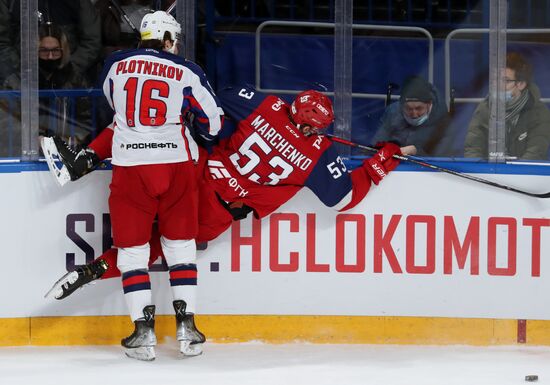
154	174
268	151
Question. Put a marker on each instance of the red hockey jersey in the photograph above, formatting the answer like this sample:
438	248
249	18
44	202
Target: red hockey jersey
266	159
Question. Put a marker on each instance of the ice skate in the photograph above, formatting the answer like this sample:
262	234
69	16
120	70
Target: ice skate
54	160
141	343
71	281
190	338
75	162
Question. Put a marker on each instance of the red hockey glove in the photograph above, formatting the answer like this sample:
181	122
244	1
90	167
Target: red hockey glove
383	161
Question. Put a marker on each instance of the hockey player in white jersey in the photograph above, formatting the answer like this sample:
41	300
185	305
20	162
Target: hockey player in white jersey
153	157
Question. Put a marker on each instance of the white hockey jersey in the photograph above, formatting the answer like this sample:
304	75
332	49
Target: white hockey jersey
150	91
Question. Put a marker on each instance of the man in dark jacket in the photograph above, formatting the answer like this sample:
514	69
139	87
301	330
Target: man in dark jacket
420	118
527	118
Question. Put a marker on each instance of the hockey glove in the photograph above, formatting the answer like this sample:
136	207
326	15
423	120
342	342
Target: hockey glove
239	210
383	161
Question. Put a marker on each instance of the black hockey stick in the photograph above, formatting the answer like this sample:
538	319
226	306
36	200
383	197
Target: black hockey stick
420	162
126	18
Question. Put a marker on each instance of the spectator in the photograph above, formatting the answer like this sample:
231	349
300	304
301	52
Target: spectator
420	118
527	118
78	19
57	71
56	67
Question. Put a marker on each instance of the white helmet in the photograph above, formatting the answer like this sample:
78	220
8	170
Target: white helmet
155	25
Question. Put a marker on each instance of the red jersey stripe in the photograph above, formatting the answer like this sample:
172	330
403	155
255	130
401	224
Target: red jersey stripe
135	280
183	274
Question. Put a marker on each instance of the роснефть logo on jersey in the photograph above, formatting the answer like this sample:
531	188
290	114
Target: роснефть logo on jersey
142	146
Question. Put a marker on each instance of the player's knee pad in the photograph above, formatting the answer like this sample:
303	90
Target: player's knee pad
179	252
133	258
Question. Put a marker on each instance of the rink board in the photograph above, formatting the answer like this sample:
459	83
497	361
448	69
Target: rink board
425	257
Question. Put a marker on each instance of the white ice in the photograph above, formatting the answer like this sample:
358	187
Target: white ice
265	364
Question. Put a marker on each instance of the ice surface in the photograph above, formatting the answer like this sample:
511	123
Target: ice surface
264	364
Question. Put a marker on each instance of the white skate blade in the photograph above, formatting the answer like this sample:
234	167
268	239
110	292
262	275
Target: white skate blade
143	353
61	174
57	289
190	350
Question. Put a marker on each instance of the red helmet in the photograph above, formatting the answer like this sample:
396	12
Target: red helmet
312	108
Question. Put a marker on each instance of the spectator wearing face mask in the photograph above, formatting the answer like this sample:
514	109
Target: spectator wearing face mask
57	71
420	118
78	19
65	116
527	118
